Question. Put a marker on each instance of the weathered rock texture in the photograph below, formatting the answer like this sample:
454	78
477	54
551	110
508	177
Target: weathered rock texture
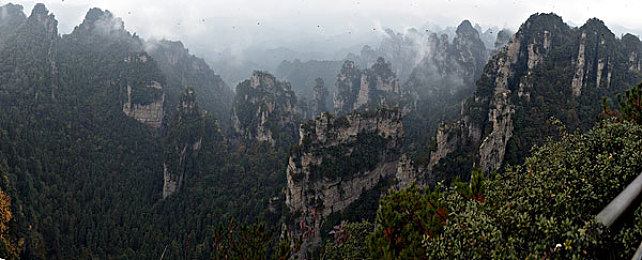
548	69
183	140
265	110
150	114
368	89
336	160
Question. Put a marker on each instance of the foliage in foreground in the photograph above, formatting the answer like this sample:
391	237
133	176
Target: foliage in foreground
247	241
544	208
547	206
349	241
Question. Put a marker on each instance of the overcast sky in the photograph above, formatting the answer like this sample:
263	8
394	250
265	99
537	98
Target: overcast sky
219	24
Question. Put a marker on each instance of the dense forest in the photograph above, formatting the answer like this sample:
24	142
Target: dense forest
117	147
85	179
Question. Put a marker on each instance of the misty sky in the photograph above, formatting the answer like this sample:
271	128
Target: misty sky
236	24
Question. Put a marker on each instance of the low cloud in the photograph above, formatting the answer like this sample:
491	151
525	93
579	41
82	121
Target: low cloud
223	25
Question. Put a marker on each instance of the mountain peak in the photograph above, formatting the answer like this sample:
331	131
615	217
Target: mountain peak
466	30
597	26
595	22
465	25
39	9
102	21
95	14
541	21
40	15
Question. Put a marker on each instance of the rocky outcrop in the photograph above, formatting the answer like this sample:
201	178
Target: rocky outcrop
529	46
120	57
319	98
447	142
183	70
503	37
150	114
104	29
41	16
335	161
265	109
594	62
493	147
543	60
578	78
632	47
183	140
347	85
445	77
368	89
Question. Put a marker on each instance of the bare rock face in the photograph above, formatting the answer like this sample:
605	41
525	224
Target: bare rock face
409	172
529	46
183	140
265	110
594	65
150	114
493	147
366	90
632	48
578	79
335	161
446	142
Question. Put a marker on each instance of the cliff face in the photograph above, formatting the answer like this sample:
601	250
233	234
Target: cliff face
335	161
183	141
150	114
265	110
368	89
548	69
143	94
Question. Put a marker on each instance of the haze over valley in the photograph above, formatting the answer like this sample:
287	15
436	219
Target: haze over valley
302	129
